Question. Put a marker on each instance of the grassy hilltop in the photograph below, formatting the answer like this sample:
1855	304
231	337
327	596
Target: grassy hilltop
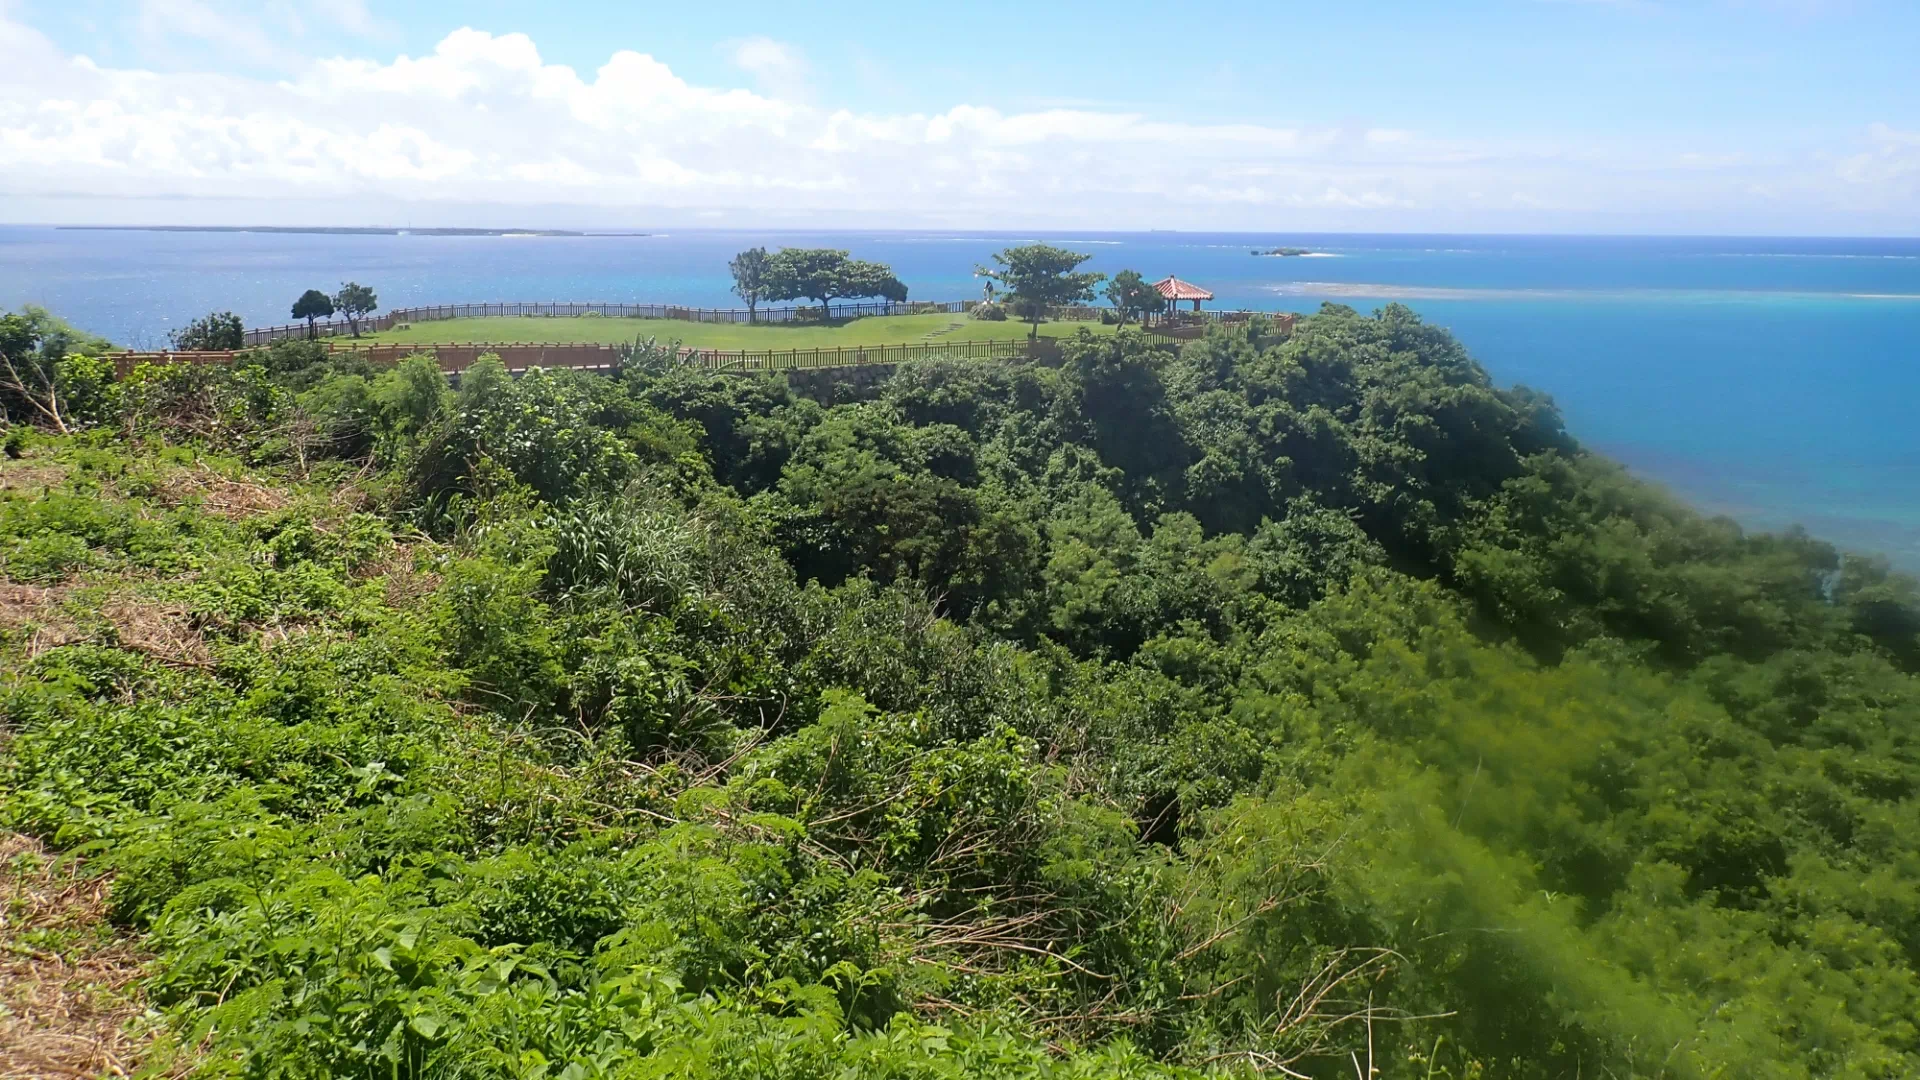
876	330
1263	708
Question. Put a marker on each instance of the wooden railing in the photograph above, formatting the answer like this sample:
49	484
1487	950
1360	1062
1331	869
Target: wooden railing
457	357
1187	325
861	355
1207	317
441	312
794	313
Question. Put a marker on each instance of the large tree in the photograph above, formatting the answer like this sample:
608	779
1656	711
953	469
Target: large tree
1040	277
752	273
313	304
354	300
219	330
826	275
1131	295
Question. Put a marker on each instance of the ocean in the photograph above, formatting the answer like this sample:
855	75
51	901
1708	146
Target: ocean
1772	380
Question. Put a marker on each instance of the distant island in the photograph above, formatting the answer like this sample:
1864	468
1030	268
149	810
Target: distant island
338	230
1285	251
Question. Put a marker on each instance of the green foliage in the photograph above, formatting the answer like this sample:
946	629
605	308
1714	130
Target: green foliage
354	300
827	275
52	373
313	304
408	401
35	329
1272	706
1040	277
753	277
215	331
554	432
88	396
1133	297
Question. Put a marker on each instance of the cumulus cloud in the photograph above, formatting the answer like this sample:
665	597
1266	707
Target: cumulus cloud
484	118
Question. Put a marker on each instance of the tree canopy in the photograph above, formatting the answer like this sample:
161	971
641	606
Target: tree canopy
313	304
354	301
1133	297
1040	277
215	331
752	272
826	275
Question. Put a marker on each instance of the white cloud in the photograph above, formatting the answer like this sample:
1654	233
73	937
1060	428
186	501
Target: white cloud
484	119
1893	160
353	17
777	67
243	34
156	19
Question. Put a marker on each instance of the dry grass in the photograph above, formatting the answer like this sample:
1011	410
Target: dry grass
40	611
69	1001
222	495
162	631
32	477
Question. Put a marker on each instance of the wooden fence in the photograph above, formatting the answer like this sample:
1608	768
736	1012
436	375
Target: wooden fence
1209	317
455	358
1188	325
861	355
441	312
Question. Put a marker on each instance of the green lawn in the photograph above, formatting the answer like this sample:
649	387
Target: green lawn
875	330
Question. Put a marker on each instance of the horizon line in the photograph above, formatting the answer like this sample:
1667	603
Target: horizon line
634	231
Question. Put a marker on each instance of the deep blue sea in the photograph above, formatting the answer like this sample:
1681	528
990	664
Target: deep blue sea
1775	380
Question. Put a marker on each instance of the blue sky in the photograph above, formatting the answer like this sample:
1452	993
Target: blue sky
1753	116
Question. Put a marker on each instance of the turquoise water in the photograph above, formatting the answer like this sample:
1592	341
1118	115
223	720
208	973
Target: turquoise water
1775	380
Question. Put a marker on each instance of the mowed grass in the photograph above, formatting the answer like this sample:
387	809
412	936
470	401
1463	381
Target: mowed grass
873	330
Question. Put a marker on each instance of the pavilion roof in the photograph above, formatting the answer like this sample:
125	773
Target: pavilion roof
1174	289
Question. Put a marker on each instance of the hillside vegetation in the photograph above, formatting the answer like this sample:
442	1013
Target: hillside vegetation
1303	707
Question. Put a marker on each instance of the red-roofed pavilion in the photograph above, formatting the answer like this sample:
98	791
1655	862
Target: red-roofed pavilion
1175	290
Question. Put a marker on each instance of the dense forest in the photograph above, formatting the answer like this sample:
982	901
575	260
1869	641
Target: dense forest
1296	707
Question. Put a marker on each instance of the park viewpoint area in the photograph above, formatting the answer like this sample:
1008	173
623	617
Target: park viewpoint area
875	330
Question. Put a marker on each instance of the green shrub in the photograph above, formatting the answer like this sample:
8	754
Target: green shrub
47	558
87	390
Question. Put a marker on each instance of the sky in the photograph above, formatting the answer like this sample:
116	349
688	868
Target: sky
1753	117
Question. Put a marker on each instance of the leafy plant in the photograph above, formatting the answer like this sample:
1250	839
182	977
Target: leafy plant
216	331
